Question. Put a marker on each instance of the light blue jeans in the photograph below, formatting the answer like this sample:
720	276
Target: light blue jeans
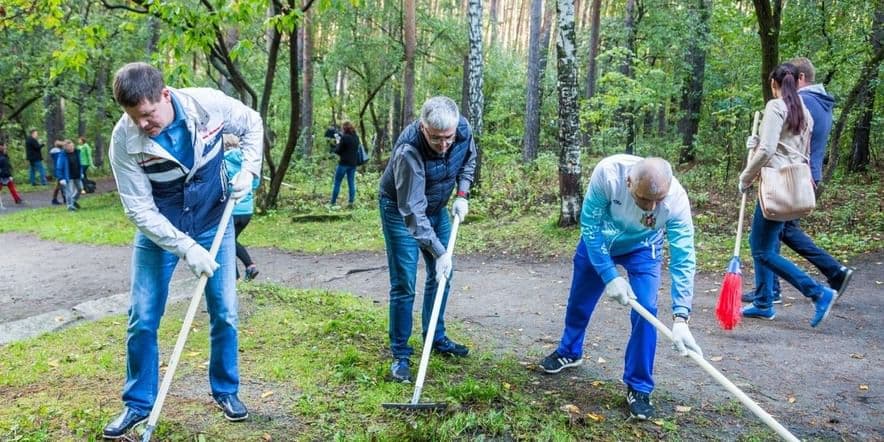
152	269
402	258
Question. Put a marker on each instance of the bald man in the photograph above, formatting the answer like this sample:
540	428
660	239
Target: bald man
630	204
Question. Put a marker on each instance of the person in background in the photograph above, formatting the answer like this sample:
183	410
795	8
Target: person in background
242	212
34	154
54	153
433	156
67	172
85	157
785	135
346	149
6	173
630	205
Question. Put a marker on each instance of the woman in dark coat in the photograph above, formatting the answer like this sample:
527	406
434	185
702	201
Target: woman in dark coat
346	149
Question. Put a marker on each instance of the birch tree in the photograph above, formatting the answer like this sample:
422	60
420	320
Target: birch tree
570	190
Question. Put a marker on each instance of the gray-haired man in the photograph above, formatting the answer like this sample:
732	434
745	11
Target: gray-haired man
432	156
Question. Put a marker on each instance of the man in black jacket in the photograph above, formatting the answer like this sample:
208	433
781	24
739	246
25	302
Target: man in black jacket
34	153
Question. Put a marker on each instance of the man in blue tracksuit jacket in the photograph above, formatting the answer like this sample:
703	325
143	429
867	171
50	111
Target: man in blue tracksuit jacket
820	105
630	204
167	157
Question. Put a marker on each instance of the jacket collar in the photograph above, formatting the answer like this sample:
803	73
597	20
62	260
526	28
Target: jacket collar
138	142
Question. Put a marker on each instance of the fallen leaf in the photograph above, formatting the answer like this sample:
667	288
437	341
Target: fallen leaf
193	353
59	319
788	304
716	358
53	363
864	387
857	355
791	399
507	386
266	394
595	417
658	422
267	437
602	360
682	408
597	383
570	409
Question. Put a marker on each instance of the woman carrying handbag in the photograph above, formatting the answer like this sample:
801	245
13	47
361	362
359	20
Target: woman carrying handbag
785	192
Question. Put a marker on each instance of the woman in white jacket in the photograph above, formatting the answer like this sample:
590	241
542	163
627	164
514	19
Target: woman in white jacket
785	134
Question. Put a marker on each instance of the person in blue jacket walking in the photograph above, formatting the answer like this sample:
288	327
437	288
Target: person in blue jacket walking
820	105
244	208
631	203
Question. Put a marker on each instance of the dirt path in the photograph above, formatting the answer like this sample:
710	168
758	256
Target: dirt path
821	383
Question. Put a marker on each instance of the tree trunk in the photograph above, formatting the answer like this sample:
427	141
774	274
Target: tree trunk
627	114
592	69
545	32
692	85
465	87
101	77
569	158
862	130
269	77
532	88
835	139
408	75
54	123
153	35
768	15
477	98
307	94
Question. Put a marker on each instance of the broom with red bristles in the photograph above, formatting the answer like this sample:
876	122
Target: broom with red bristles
729	309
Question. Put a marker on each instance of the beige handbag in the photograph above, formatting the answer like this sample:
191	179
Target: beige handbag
787	193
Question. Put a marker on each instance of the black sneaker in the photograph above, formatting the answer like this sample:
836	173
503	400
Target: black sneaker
400	370
447	347
251	272
127	420
55	202
640	406
77	205
555	362
750	296
840	284
234	410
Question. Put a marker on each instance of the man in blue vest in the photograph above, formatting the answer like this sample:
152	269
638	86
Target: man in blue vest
166	153
432	156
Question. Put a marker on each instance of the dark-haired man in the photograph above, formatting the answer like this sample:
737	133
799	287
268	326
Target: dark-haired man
167	153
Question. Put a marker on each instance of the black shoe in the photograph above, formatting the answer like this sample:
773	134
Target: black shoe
128	419
251	272
840	284
640	406
400	371
750	296
55	202
447	347
234	410
555	362
77	205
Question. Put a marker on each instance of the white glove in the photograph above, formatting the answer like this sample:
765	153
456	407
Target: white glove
752	142
200	261
241	184
740	187
683	340
443	266
63	182
460	208
620	290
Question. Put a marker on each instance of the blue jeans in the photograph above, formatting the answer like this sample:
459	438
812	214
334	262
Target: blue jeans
340	171
643	267
152	269
402	257
37	166
764	240
795	238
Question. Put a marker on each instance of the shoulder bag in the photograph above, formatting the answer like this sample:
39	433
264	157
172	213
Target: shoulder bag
787	192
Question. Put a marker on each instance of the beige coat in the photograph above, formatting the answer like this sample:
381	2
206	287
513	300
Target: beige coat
770	151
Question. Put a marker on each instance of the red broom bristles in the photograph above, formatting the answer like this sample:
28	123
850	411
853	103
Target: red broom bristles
729	309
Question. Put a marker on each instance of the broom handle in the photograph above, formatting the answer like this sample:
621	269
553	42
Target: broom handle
743	201
185	327
434	319
727	384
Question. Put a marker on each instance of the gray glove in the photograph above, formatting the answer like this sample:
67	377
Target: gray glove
683	340
241	184
200	262
752	142
443	266
620	290
460	208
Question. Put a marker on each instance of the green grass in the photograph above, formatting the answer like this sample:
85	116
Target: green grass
313	365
